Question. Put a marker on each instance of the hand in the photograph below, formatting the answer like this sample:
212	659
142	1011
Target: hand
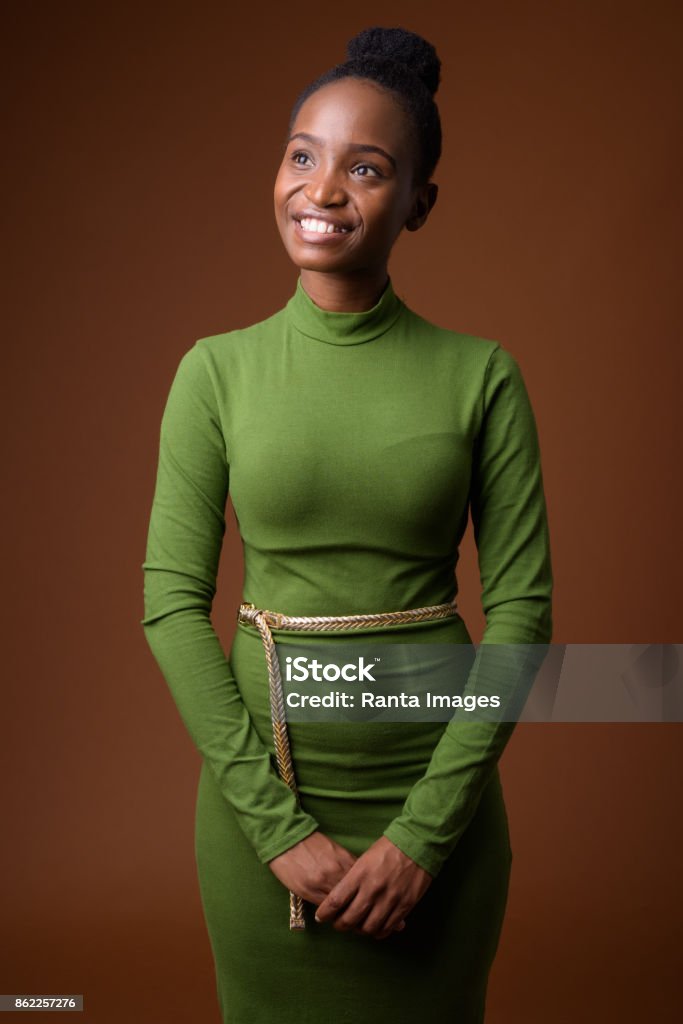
312	867
376	893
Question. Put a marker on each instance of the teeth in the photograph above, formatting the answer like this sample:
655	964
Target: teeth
320	226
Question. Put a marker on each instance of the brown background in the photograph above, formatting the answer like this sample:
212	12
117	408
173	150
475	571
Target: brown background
142	142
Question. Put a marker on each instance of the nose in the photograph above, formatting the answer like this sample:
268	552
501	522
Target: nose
325	186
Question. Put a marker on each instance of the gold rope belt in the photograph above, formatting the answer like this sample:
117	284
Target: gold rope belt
264	620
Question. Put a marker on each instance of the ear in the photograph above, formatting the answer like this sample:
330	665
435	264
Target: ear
424	201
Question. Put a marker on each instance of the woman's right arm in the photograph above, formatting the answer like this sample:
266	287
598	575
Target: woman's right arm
185	537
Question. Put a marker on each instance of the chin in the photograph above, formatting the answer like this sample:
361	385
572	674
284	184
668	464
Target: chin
318	261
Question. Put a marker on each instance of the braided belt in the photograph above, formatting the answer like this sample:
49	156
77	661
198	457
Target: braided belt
264	620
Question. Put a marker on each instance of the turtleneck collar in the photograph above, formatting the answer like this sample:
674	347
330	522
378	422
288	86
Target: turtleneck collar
343	328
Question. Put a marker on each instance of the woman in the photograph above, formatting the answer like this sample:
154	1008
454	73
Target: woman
353	435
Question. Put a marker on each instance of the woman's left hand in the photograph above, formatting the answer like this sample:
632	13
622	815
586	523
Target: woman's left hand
376	893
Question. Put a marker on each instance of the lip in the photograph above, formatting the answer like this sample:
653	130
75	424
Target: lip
320	215
318	237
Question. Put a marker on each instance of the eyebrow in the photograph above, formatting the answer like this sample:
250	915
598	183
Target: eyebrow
356	147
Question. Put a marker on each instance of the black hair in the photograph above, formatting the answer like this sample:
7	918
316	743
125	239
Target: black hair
407	65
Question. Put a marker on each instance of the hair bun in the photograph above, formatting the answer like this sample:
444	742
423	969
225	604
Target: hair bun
401	46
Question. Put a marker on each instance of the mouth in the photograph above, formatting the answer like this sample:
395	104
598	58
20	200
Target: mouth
317	229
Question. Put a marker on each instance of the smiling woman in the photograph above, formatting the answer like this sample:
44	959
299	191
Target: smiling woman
352	177
354	437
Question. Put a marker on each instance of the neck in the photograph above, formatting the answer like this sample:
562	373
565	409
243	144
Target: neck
345	293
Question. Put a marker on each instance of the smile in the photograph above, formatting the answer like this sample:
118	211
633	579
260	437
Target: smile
311	225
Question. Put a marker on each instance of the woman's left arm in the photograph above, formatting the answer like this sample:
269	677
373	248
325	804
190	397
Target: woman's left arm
511	532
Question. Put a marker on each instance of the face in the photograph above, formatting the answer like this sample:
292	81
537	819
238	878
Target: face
345	187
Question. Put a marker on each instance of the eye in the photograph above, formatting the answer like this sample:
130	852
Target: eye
295	157
375	172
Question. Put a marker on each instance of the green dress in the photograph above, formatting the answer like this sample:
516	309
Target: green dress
353	446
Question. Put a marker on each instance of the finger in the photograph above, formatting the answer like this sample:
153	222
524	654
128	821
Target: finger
343	856
381	908
337	899
367	913
395	922
355	915
342	868
310	893
312	886
386	932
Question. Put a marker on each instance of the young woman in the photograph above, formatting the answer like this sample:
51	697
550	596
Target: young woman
354	436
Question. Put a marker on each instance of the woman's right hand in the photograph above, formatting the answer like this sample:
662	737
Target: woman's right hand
312	867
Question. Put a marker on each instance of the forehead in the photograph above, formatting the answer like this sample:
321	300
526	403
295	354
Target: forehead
354	110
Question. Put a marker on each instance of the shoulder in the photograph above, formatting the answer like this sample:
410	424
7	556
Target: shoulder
241	336
214	358
481	369
472	351
217	346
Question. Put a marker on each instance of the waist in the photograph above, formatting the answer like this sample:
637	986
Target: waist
370	760
440	623
328	755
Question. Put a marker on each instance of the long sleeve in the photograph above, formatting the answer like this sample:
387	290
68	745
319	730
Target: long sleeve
509	517
186	530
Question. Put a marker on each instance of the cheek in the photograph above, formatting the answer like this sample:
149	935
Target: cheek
385	223
280	187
